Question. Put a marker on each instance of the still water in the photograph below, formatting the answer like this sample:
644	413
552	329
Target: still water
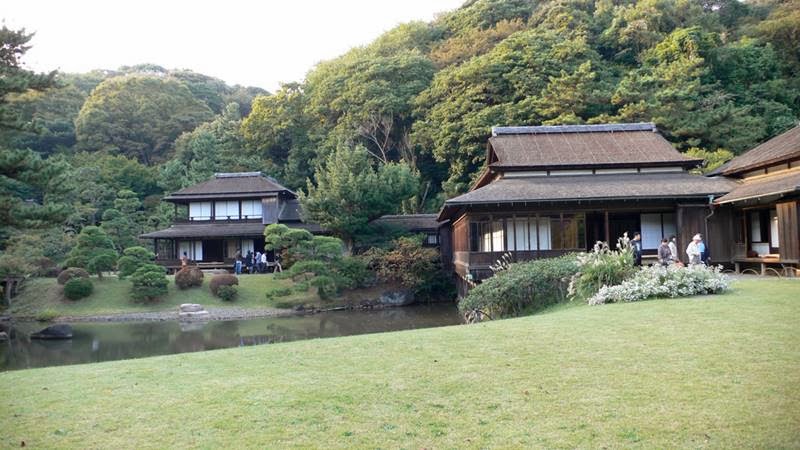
94	342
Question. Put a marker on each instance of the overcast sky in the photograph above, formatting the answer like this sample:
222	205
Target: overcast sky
256	43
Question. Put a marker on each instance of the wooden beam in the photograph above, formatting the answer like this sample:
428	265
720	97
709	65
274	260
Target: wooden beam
608	229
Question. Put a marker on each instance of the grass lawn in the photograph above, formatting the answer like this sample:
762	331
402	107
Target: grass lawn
708	372
112	295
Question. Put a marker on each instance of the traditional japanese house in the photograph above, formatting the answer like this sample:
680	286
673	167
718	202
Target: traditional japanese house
761	211
550	190
218	217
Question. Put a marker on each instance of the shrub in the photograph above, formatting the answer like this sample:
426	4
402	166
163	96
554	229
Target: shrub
664	282
70	273
149	282
46	315
94	251
223	279
602	267
78	288
188	277
326	285
133	258
277	292
522	287
412	266
227	293
352	272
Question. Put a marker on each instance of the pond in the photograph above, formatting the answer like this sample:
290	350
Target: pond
95	342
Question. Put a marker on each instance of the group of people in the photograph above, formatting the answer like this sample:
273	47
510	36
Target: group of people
253	263
697	251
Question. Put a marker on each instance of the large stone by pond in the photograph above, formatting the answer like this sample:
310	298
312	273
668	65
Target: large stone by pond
60	331
400	297
191	307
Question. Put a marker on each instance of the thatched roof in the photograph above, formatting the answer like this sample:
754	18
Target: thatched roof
784	147
410	222
777	184
232	185
590	187
582	146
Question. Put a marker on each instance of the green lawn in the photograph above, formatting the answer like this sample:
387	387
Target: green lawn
112	295
707	372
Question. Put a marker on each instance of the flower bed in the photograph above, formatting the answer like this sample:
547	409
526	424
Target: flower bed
664	282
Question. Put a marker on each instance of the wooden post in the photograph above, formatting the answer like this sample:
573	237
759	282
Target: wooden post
608	230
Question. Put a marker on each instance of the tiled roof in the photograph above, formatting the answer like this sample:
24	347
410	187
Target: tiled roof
230	185
592	187
583	146
776	184
780	148
221	230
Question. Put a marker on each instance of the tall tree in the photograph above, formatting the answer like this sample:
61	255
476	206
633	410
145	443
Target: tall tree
139	117
13	77
350	191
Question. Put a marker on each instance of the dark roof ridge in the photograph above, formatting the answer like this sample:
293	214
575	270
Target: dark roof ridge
597	128
238	174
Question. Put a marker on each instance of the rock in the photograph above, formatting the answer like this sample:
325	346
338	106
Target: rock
191	315
3	336
61	331
299	308
190	307
396	298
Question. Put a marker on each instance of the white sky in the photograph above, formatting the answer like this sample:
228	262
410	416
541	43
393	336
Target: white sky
256	43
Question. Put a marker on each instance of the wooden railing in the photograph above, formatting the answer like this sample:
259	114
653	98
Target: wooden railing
226	219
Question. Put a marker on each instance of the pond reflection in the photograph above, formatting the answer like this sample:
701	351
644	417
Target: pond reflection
94	342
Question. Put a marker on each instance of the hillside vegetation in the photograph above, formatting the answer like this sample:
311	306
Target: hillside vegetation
707	372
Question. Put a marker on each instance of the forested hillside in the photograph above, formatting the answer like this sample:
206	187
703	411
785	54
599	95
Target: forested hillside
717	77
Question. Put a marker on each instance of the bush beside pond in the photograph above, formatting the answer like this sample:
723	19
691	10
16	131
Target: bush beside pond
223	279
227	292
189	277
78	288
522	287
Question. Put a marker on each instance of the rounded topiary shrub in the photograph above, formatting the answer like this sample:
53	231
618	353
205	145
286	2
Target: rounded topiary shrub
223	279
78	288
70	273
227	293
189	277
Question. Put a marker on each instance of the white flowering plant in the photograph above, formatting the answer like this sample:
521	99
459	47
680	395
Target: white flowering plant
602	267
664	282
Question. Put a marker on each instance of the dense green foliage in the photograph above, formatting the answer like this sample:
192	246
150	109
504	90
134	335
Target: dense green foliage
78	288
522	287
227	293
410	265
149	283
93	251
132	258
350	192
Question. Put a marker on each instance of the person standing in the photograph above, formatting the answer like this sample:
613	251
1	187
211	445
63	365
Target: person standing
257	261
237	264
264	262
693	250
637	249
664	253
184	260
673	248
701	247
248	261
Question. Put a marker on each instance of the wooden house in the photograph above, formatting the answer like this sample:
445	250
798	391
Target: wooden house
218	217
550	190
760	214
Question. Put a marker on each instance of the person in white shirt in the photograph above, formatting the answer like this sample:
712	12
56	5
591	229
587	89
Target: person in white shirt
263	263
693	250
